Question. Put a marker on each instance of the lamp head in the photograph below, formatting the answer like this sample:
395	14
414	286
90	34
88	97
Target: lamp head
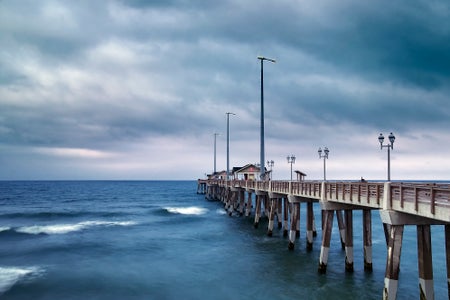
320	152
326	152
391	138
381	139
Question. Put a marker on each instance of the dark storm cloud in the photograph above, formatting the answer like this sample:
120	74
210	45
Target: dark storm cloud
102	74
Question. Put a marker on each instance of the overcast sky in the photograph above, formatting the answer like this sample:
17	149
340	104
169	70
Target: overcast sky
136	89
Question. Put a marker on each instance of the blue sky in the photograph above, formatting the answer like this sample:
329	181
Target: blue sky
136	89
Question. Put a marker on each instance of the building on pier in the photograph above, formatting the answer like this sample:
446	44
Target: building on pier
247	172
221	175
300	175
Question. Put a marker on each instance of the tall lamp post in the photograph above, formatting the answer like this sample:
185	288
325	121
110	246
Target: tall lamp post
215	138
262	59
389	147
270	164
291	160
228	143
325	157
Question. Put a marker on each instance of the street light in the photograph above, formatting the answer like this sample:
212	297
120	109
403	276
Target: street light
389	147
215	138
262	59
291	160
325	157
228	143
270	164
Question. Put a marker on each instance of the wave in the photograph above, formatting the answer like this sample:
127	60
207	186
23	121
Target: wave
60	214
66	228
221	211
11	275
190	210
4	228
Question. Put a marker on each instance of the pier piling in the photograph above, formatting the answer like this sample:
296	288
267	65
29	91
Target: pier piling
393	262
348	215
294	223
309	225
425	262
367	237
326	239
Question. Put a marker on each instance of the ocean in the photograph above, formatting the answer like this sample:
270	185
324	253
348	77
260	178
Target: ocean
162	240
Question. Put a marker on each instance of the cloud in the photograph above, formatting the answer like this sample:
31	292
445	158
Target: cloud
105	86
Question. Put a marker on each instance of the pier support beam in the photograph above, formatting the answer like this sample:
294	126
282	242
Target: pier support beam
309	225
273	207
341	225
348	215
327	223
367	237
285	216
248	208
257	211
297	227
447	250
241	202
393	262
295	215
232	202
280	212
425	262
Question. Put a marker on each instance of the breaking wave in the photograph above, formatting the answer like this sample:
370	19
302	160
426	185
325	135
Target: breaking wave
191	210
11	275
66	228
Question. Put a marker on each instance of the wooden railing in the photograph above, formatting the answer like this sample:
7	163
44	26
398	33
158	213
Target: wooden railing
430	200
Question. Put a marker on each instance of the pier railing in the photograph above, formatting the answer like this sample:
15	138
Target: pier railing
430	200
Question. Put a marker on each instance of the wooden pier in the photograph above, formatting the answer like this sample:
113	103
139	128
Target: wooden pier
399	204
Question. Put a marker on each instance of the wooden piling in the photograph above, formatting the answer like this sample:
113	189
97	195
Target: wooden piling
294	221
341	225
327	223
425	262
348	215
280	212
367	237
248	208
297	227
271	216
393	262
309	225
257	211
285	216
231	203
241	202
447	251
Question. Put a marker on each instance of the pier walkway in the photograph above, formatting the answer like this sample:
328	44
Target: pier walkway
399	203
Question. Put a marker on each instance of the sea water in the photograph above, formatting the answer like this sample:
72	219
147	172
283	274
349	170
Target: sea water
161	240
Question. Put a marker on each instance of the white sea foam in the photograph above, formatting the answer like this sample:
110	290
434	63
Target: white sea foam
11	275
4	228
221	211
191	210
66	228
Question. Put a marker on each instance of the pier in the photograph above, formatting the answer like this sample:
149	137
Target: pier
399	204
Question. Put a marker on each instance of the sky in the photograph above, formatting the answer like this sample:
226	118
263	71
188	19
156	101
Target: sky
135	90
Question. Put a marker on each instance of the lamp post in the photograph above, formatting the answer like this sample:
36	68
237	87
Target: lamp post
291	160
325	157
215	138
228	143
262	59
389	147
270	164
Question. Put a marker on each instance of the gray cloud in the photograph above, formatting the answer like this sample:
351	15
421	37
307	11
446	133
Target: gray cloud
111	75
